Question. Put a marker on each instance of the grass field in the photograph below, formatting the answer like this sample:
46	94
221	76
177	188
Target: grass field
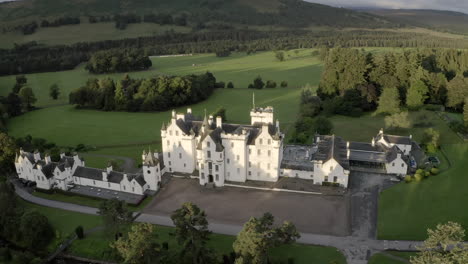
380	258
406	211
297	70
86	32
365	127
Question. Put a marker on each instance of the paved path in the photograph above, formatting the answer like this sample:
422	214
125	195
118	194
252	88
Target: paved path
356	250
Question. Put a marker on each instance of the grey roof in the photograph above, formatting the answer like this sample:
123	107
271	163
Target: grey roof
115	177
376	157
401	140
48	170
29	156
330	147
298	157
360	146
88	173
138	178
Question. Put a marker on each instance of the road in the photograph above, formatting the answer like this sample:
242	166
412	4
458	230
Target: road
355	249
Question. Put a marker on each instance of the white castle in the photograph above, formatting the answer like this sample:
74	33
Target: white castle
217	153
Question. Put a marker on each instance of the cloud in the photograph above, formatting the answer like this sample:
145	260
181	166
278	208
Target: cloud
452	5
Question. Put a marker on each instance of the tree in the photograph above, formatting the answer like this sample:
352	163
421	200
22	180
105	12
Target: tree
79	232
398	120
35	229
323	125
431	139
230	85
27	97
279	55
444	245
258	83
115	215
191	228
457	91
7	153
465	112
258	236
139	246
284	84
270	84
416	94
54	91
21	80
389	101
10	216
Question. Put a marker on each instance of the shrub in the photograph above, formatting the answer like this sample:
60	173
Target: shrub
434	171
230	85
418	177
79	232
427	174
220	85
284	84
420	171
270	84
408	178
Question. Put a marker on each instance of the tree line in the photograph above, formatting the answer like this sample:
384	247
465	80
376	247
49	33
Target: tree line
30	57
152	94
118	60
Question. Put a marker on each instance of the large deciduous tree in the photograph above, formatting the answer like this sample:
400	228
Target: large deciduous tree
35	229
457	91
27	98
398	120
258	236
444	245
7	153
389	101
139	246
115	215
416	94
54	91
192	234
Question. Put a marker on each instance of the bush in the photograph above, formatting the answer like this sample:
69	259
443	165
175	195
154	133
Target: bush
284	84
79	232
433	107
408	178
220	85
270	84
427	174
434	171
230	85
418	177
420	171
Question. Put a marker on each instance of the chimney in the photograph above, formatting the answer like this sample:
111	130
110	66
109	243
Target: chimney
109	168
347	144
143	156
210	120
62	155
373	142
277	125
37	155
348	153
47	159
104	176
189	110
173	114
411	136
219	122
381	131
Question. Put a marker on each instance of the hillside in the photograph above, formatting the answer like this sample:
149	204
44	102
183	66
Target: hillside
292	13
445	21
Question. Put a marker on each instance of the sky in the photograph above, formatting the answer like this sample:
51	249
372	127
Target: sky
452	5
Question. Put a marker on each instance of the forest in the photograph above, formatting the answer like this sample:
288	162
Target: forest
31	57
152	94
118	60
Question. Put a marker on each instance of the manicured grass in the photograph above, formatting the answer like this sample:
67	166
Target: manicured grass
96	246
383	259
67	126
406	211
365	127
297	70
98	162
86	32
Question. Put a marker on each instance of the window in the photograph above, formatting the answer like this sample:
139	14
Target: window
326	178
168	143
220	155
208	154
269	141
269	153
259	152
124	187
203	176
250	151
331	168
108	184
185	165
250	164
202	166
238	170
227	161
402	165
170	163
170	132
228	174
335	179
393	164
180	155
261	141
216	167
177	133
180	144
208	144
237	158
250	173
217	177
232	144
94	182
268	166
297	174
168	154
133	189
148	171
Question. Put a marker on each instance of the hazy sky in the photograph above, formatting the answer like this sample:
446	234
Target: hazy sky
453	5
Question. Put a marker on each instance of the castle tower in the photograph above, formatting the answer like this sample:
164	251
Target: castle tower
151	170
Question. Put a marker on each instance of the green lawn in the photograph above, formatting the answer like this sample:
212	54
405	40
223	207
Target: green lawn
86	32
365	127
380	258
67	126
96	246
406	211
297	70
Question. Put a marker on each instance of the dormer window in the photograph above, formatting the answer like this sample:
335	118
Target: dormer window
261	141
208	144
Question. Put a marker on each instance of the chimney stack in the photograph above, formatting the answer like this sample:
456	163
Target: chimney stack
219	122
47	159
189	110
373	142
210	120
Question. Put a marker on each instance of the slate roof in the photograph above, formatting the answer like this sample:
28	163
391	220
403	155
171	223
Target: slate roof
88	173
48	170
330	147
115	177
29	156
401	140
138	178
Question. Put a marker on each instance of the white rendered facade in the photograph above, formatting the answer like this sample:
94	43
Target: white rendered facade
70	171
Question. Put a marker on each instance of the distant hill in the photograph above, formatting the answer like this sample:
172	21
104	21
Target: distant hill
290	13
446	21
